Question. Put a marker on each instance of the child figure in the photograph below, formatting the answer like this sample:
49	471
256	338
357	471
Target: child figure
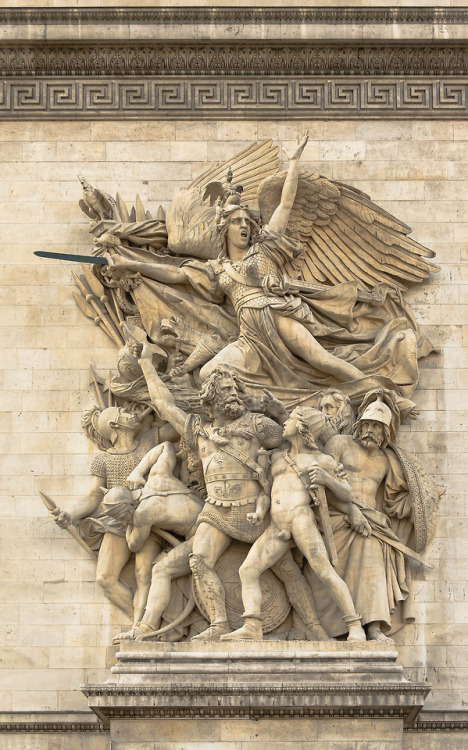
292	516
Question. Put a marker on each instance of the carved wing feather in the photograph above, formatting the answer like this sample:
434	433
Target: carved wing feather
191	217
346	236
249	167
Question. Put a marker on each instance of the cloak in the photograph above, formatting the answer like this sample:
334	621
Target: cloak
378	576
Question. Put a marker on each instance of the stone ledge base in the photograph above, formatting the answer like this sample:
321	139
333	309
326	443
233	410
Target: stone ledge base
289	685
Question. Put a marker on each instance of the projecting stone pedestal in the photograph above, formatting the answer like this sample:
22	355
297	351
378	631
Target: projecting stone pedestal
302	694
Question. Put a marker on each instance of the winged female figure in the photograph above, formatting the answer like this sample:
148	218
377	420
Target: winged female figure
292	335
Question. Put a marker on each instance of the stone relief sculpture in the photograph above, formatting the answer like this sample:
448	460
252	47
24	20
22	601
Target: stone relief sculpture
292	517
253	322
387	505
120	434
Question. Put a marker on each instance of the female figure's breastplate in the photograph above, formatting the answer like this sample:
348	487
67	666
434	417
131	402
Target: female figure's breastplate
254	266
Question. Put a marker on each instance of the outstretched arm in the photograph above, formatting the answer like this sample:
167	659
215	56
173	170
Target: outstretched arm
280	218
160	395
158	271
80	508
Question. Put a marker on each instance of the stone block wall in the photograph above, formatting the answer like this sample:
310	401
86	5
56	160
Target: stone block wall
55	624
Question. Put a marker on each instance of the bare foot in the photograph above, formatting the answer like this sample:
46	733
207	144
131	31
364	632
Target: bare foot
375	634
356	632
128	635
142	629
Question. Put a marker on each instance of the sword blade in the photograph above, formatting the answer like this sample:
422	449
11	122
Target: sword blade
328	537
74	258
401	548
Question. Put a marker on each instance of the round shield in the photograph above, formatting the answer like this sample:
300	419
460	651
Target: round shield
275	602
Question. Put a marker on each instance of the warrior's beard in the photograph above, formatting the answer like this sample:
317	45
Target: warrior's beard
230	407
369	440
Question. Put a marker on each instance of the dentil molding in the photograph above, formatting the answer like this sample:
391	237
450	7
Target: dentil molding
238	16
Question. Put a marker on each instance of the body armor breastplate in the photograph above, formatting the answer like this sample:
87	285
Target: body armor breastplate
255	265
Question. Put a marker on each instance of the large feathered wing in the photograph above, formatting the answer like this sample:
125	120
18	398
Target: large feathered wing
191	217
346	236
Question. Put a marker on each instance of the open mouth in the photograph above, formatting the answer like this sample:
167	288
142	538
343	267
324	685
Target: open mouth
244	234
167	328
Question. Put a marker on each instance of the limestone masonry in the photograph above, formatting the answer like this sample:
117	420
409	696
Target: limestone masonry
270	677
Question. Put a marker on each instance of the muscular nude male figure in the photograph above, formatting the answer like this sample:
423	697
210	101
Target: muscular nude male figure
162	501
291	515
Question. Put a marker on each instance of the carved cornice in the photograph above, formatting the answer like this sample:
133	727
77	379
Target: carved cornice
253	59
64	727
437	726
218	97
379	701
52	727
233	79
236	16
248	712
271	691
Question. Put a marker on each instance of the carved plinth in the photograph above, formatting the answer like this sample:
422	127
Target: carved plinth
253	680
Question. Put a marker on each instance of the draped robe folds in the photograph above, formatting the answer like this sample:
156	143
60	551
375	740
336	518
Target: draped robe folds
377	575
383	341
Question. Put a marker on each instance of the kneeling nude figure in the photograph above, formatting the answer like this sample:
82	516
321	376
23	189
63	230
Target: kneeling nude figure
291	515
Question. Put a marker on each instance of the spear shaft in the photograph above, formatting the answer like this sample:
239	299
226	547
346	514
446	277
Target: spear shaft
51	506
98	290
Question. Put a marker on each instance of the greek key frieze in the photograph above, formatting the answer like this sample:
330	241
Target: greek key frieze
226	98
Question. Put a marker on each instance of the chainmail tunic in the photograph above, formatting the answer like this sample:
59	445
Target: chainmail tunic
113	468
228	513
264	259
232	520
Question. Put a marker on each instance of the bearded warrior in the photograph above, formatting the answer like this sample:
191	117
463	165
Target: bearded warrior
392	521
